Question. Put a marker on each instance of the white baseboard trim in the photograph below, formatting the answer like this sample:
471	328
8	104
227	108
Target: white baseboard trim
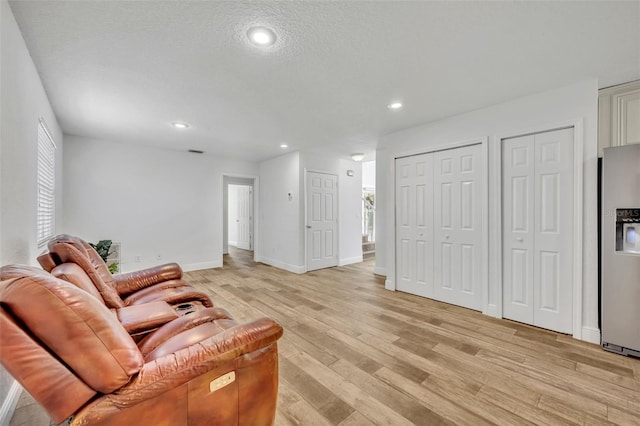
9	403
282	265
378	270
233	243
201	265
591	335
389	285
350	260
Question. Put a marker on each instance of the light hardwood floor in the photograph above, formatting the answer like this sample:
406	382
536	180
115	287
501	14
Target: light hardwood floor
355	354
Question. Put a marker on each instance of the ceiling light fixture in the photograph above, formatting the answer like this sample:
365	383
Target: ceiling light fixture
284	145
180	125
261	36
357	156
395	105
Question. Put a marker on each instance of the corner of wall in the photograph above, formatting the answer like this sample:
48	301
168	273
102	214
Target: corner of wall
389	285
190	267
9	404
379	270
591	335
349	260
296	269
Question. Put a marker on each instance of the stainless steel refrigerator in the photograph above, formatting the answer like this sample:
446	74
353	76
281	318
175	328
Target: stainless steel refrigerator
620	292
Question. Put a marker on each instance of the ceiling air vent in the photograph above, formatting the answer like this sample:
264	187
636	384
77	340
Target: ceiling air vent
196	151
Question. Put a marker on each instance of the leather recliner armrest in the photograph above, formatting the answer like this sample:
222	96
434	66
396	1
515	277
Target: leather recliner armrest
166	373
145	316
131	282
172	292
184	323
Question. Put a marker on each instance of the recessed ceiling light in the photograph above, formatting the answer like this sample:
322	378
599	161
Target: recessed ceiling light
261	36
357	157
284	145
180	125
395	105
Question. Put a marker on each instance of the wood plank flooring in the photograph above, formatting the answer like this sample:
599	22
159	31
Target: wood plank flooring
354	353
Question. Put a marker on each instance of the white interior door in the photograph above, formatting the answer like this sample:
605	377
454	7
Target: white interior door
458	226
537	246
322	220
245	217
414	224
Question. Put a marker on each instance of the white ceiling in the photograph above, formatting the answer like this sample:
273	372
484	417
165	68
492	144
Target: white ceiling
124	70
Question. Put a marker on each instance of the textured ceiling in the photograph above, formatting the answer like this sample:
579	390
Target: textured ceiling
123	71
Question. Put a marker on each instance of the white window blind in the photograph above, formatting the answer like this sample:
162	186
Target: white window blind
46	184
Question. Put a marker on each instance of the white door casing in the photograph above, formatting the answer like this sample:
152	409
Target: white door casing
414	217
538	229
245	217
322	220
458	226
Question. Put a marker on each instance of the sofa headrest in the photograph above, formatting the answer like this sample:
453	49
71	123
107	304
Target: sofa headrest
70	249
73	273
71	324
48	261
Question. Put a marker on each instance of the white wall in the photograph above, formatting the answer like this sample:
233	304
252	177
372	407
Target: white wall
280	227
283	216
541	111
22	101
369	174
162	206
349	202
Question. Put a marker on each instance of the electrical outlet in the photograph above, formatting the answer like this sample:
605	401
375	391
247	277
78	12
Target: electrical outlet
159	257
137	259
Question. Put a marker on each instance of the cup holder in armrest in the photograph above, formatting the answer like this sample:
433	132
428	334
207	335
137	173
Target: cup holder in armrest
184	307
187	308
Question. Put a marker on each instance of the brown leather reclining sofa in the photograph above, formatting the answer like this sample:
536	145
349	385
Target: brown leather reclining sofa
161	283
70	352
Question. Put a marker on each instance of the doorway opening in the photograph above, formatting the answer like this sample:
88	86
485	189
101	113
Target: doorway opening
239	213
240	217
368	210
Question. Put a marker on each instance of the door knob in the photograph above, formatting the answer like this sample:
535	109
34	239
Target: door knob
308	226
421	234
520	239
447	236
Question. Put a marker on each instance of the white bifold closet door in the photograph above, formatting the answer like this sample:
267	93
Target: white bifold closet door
458	192
414	224
439	220
537	238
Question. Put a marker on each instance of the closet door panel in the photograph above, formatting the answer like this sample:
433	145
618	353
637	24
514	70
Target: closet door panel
458	226
537	236
414	224
553	275
518	228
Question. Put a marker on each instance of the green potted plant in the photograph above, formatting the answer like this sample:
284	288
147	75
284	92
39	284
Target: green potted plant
103	247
